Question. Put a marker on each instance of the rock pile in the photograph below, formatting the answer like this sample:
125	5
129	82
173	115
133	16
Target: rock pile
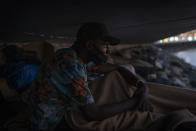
157	65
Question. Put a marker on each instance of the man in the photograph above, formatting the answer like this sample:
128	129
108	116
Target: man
61	82
92	46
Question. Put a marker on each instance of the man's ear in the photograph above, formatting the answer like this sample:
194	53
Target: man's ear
89	44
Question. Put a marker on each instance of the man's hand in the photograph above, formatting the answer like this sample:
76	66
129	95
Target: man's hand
99	112
141	97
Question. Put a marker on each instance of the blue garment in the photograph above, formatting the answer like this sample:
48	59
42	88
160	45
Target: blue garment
92	74
59	86
19	74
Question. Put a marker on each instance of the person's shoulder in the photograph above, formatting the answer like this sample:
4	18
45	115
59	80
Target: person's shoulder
66	55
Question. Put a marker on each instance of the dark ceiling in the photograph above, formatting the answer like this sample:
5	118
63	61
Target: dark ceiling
132	22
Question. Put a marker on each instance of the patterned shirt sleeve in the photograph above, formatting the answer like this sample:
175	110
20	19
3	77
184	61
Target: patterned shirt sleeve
60	85
69	77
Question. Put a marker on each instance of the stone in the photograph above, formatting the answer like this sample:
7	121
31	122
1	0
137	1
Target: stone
162	75
167	71
177	71
178	82
152	76
158	64
193	83
185	79
176	63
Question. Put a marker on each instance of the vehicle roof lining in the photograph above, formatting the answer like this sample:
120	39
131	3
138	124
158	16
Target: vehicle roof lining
132	22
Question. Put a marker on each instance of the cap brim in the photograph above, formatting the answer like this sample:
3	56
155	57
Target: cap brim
112	40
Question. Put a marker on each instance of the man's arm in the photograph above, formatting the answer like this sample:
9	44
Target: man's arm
99	112
129	76
133	79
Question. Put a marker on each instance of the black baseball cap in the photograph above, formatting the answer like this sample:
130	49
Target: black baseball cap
96	31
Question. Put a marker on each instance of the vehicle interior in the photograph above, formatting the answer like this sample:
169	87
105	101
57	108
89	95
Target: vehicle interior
157	42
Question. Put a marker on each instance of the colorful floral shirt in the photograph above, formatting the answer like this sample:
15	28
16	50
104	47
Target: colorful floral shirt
92	71
60	85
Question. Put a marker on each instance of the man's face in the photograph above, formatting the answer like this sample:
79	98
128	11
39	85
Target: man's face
102	46
97	51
